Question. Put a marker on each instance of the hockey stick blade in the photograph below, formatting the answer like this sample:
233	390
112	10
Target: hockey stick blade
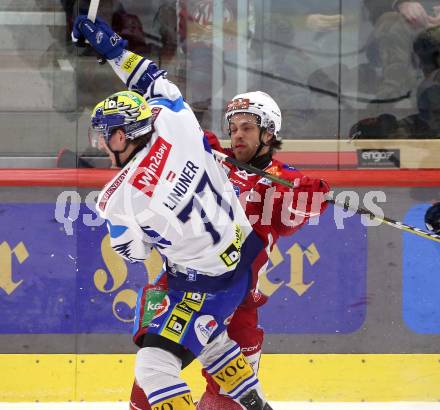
361	211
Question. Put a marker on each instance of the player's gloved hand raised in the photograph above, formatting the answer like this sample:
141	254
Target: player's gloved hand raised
99	35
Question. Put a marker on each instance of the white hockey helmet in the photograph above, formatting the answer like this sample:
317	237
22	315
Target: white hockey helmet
259	104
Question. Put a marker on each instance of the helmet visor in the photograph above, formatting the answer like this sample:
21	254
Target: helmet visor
96	134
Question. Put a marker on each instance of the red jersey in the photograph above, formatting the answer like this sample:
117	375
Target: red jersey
273	209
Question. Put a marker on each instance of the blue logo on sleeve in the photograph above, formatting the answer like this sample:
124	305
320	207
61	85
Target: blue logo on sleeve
116	230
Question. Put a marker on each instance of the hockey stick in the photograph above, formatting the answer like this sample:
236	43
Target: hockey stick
91	15
330	200
93	10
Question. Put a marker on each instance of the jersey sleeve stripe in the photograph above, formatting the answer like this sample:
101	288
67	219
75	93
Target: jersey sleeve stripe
136	70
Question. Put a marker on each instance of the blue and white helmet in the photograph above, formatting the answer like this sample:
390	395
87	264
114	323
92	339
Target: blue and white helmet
260	104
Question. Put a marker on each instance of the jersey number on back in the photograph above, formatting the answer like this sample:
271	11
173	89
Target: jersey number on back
194	202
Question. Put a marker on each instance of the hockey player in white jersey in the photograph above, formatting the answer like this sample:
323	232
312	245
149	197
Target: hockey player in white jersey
170	194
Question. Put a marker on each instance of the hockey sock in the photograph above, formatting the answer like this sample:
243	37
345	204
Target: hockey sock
233	373
157	373
177	397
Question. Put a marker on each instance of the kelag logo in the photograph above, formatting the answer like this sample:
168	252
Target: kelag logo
150	169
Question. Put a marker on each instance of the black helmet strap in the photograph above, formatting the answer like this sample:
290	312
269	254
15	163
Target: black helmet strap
255	160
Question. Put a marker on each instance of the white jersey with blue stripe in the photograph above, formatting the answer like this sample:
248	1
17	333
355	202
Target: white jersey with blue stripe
173	195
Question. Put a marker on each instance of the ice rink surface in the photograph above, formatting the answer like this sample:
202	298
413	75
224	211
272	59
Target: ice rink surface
275	405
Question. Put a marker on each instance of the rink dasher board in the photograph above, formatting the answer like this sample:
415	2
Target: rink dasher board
328	378
275	405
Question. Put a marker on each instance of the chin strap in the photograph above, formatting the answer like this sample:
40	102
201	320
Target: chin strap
120	164
260	146
261	161
116	154
132	155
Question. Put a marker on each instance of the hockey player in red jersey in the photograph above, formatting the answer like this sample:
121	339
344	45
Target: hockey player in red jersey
253	122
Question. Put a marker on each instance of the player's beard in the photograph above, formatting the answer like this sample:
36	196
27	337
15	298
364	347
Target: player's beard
243	151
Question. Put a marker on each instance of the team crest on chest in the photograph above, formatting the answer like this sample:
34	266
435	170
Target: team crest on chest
242	174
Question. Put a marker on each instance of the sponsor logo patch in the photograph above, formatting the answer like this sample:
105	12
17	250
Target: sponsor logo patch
181	401
237	181
233	373
176	326
249	349
111	189
231	255
150	169
111	105
204	327
159	308
238	104
192	275
130	62
156	304
194	300
155	112
181	315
